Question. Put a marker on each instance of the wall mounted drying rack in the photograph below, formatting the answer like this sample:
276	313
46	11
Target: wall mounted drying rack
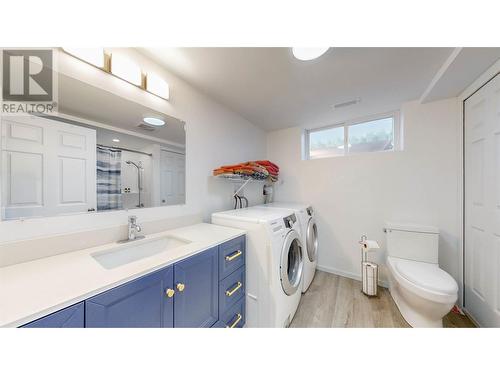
238	179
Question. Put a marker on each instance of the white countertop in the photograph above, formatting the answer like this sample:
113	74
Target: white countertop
31	290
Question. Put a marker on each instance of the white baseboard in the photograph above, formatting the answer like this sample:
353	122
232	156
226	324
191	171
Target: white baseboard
350	275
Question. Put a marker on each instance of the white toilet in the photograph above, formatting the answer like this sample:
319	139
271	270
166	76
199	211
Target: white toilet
423	292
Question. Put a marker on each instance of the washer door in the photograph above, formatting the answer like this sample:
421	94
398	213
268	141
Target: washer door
312	240
291	263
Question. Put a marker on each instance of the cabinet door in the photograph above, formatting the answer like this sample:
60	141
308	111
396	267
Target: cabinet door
138	303
70	317
197	304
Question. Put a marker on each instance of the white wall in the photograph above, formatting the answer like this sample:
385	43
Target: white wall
356	194
215	135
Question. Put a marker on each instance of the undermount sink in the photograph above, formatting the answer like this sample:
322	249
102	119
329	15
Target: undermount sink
130	252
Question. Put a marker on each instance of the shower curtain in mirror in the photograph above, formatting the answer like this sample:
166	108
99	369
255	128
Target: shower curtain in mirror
109	195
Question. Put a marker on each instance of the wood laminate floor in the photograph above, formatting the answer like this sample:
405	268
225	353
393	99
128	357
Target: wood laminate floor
336	301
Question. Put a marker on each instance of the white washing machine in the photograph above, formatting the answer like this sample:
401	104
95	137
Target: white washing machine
309	236
274	263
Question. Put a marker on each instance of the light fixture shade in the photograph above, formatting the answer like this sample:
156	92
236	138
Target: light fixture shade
308	53
94	56
158	86
126	69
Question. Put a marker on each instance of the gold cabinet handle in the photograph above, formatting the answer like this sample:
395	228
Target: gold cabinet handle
180	287
229	293
233	256
170	293
236	321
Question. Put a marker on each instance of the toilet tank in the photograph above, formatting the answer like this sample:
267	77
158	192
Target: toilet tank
414	242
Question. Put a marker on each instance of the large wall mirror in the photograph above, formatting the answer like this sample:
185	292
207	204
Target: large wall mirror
96	155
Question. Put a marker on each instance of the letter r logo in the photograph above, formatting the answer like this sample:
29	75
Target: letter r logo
27	75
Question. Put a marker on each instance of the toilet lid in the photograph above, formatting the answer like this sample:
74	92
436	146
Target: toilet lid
427	275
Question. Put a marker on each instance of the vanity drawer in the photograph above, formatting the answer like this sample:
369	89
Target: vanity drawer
231	289
234	317
231	256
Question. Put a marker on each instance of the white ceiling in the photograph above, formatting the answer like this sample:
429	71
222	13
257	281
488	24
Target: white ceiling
459	71
273	90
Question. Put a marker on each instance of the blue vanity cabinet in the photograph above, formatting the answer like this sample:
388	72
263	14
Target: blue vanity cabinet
142	303
196	282
70	317
232	284
205	290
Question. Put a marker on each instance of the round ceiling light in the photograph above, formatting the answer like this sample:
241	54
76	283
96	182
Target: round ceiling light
307	53
116	140
154	121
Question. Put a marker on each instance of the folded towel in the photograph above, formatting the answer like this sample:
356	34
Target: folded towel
267	163
260	170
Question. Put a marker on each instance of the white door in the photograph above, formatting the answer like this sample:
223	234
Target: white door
48	167
482	205
173	174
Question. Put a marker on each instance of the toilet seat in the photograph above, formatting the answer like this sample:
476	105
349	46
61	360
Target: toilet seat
424	279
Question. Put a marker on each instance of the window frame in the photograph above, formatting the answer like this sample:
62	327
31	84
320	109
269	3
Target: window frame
346	125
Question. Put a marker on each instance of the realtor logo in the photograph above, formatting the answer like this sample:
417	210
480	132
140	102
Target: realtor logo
28	81
27	75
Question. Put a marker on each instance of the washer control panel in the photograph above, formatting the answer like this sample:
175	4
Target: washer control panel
276	226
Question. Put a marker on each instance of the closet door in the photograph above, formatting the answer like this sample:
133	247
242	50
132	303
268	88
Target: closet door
482	205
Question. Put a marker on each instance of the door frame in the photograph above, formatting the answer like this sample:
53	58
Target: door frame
479	83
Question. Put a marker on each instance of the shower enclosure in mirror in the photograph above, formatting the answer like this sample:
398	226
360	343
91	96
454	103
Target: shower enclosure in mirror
97	154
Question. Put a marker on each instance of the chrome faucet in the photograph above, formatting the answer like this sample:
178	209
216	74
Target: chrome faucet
133	228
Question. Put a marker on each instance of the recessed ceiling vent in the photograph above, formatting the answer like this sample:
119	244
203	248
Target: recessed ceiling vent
347	103
147	127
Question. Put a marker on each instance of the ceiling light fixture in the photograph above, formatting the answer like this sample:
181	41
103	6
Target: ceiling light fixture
308	53
116	140
154	121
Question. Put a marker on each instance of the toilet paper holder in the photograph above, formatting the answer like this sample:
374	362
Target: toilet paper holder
369	270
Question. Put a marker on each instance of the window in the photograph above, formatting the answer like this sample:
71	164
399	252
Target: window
378	133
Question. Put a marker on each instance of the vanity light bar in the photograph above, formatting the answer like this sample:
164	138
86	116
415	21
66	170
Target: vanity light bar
92	56
123	68
157	86
126	69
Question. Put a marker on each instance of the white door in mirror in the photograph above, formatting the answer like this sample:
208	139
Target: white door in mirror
48	168
172	172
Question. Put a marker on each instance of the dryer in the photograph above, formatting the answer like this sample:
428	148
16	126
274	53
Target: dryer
309	235
274	263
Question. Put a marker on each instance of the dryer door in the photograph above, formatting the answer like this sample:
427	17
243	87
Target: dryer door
312	240
291	264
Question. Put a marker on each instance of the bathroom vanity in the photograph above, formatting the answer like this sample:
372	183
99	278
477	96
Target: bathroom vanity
186	277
